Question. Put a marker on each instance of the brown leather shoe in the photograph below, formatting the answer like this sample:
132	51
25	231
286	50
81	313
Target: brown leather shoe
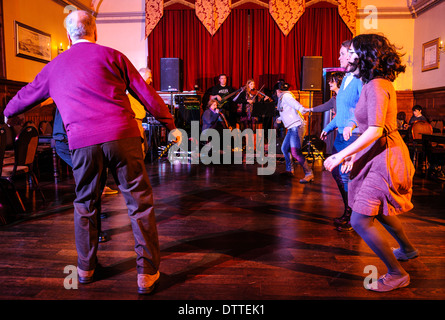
147	282
85	277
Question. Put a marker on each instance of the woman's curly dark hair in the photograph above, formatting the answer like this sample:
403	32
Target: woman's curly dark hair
377	58
336	77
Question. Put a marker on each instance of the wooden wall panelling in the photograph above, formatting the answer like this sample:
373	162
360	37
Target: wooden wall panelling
432	102
8	89
2	44
405	103
43	111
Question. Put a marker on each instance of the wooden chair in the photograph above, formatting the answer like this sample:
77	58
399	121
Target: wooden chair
434	152
2	156
25	147
45	149
10	136
2	147
437	126
416	145
45	128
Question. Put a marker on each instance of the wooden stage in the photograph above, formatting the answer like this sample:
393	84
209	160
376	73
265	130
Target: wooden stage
226	233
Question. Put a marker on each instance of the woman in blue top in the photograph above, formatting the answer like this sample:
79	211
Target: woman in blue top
347	131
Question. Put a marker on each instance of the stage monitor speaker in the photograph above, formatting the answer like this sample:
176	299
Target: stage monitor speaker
311	73
171	74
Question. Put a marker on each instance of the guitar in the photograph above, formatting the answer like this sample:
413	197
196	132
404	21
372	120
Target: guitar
224	100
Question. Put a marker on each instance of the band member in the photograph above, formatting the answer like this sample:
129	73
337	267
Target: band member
220	92
211	117
291	115
245	100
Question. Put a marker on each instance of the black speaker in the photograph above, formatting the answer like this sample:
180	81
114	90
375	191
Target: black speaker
171	74
311	73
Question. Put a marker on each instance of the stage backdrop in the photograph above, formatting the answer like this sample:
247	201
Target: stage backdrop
249	44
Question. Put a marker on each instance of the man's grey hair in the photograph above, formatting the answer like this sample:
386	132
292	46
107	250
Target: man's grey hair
144	70
80	24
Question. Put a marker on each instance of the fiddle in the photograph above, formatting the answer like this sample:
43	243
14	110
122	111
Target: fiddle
256	92
264	96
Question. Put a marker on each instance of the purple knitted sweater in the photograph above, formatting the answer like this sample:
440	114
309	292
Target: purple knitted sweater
88	84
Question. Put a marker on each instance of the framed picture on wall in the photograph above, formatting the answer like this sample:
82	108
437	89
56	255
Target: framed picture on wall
430	55
32	44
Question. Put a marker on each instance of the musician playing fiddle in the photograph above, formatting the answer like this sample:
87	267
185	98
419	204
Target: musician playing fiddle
219	92
245	100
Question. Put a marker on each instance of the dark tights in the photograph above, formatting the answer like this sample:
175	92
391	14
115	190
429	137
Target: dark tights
366	228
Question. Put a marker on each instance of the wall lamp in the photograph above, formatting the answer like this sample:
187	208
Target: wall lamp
60	48
441	47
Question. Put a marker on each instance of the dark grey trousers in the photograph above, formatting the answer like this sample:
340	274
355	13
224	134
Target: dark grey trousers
124	159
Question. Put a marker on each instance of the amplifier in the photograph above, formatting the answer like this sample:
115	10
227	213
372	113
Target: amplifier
187	100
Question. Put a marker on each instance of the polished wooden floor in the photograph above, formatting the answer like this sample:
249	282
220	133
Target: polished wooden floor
225	233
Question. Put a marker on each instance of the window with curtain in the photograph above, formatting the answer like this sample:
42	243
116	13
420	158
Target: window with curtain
249	44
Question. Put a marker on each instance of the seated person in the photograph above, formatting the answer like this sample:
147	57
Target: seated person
211	117
417	115
401	121
402	126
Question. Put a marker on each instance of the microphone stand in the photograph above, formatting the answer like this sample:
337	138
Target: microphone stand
310	153
310	148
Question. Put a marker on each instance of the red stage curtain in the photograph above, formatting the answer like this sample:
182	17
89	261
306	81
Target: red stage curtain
319	32
249	44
